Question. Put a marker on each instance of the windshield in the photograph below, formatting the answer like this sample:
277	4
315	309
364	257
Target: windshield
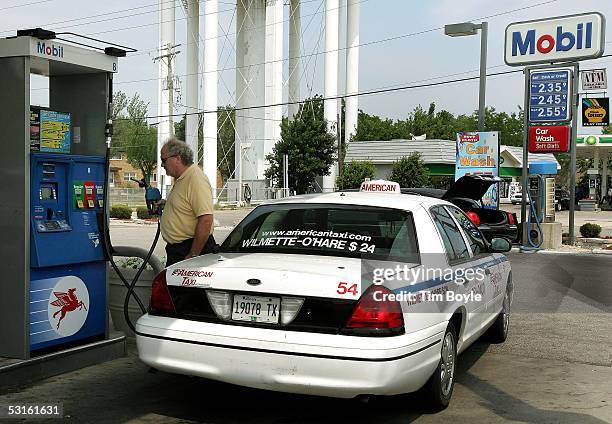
334	230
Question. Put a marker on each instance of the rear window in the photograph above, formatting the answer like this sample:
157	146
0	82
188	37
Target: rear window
334	230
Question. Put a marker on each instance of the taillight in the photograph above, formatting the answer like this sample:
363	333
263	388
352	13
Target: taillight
474	217
161	301
376	314
511	219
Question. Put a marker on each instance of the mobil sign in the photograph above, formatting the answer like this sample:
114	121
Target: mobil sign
561	39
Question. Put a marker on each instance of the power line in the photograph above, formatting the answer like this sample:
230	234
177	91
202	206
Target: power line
339	49
25	4
369	43
212	38
102	14
362	93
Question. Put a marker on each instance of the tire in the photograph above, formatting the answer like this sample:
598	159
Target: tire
498	332
438	390
558	207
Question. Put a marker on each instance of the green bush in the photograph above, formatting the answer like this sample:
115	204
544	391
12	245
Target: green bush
121	212
354	173
410	171
142	212
589	230
135	263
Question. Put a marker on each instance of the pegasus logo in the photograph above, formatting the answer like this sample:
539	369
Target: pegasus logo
67	302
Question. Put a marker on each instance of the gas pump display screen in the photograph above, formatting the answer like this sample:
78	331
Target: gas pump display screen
47	193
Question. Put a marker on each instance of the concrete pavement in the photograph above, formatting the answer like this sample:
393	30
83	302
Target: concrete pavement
555	367
602	218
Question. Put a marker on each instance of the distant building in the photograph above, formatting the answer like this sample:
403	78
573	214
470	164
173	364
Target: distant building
120	172
439	157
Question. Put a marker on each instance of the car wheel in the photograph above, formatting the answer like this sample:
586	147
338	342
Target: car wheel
498	332
439	388
558	207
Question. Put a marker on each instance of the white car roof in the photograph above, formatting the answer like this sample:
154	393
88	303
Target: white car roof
407	202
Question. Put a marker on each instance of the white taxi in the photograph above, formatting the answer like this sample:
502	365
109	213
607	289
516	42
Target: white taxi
341	294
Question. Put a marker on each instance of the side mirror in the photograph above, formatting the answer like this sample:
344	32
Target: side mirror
500	245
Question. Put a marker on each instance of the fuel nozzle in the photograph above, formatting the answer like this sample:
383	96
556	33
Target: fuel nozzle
152	196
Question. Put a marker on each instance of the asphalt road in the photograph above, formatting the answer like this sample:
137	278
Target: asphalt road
555	367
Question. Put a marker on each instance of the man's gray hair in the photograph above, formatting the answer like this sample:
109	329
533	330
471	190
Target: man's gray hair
176	147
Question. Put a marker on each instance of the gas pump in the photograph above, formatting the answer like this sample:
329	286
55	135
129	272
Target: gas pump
541	201
54	286
594	184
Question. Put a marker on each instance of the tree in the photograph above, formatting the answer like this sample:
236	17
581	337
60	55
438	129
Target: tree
132	134
310	147
440	125
119	103
371	127
354	173
410	171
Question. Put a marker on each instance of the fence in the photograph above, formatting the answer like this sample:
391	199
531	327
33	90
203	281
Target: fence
258	195
132	197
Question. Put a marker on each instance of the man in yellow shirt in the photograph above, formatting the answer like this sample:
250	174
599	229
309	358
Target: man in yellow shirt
187	219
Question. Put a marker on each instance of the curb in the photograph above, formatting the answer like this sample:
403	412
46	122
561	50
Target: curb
602	252
587	252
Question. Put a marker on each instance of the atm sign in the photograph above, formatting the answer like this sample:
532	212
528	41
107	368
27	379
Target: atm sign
549	139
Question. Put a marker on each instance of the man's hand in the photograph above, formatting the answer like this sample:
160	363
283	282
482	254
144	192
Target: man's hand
202	231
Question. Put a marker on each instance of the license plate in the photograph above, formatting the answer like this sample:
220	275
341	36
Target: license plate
256	309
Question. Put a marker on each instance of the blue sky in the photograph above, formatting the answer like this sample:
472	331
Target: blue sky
401	61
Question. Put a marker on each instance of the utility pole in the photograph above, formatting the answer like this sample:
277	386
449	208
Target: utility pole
169	81
165	128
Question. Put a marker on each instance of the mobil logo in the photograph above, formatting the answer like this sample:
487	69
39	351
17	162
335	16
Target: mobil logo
49	49
558	39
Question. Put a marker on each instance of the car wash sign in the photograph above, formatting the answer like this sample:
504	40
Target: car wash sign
560	39
477	153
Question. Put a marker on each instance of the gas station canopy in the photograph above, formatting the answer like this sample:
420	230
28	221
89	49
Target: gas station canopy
51	58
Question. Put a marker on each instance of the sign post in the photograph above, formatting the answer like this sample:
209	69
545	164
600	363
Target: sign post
572	209
551	92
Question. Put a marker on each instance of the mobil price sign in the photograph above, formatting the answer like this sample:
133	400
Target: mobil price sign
560	39
550	95
549	139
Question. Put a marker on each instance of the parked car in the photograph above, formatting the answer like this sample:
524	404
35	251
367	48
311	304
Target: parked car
284	306
517	197
467	194
562	199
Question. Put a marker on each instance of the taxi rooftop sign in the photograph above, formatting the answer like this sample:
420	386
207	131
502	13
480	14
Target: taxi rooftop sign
380	186
560	39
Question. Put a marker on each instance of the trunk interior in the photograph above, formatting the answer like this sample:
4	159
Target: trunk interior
491	216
